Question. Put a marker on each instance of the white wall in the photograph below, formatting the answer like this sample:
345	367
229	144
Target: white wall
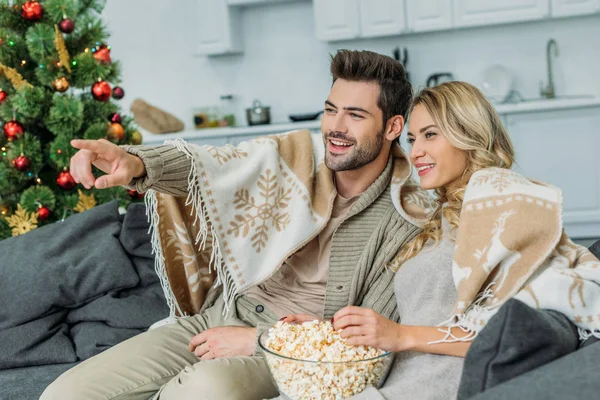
285	66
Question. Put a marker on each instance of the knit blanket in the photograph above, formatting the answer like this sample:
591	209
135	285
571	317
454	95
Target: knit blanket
249	208
511	243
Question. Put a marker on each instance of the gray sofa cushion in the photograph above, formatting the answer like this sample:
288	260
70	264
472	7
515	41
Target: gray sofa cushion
574	376
516	340
29	383
595	249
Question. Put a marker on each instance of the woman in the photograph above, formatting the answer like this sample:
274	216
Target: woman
461	150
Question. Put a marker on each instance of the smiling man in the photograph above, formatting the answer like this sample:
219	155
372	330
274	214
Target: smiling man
211	355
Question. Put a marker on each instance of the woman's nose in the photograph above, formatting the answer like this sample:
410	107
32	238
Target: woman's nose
416	152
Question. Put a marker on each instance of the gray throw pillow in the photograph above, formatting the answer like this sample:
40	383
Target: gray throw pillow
595	249
516	340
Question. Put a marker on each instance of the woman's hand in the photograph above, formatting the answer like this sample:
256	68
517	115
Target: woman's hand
363	326
299	318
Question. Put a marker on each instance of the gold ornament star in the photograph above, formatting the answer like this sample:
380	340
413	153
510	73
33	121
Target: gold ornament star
85	202
21	221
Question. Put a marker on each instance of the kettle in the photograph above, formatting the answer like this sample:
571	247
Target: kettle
439	78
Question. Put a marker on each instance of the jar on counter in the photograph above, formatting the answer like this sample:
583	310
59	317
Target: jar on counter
227	110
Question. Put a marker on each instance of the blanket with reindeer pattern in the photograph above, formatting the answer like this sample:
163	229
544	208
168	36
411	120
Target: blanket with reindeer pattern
511	243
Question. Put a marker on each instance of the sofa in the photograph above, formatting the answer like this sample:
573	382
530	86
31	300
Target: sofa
71	290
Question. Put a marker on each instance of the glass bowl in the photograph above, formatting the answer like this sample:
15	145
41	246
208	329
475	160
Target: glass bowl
324	380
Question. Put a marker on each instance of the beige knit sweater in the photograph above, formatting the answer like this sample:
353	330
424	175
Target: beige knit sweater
364	243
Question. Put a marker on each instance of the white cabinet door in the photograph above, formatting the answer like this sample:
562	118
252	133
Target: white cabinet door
564	8
382	17
428	15
216	27
336	19
568	161
485	12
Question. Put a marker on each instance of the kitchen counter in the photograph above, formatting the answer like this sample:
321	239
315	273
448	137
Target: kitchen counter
528	106
209	133
559	103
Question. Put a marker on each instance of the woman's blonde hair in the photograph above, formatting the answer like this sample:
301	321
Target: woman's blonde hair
470	123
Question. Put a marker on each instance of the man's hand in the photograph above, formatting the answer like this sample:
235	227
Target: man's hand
120	167
224	342
363	326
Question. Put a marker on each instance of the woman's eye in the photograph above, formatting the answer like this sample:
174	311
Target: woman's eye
430	135
410	141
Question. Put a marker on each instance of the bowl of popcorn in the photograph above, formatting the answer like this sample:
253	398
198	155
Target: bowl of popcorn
311	361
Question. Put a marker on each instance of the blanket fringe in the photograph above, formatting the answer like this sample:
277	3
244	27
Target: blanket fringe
585	334
159	260
460	320
200	215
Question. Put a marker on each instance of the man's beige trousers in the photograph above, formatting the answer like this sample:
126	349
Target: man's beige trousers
159	363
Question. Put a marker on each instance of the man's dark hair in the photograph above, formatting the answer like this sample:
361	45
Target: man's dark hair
366	66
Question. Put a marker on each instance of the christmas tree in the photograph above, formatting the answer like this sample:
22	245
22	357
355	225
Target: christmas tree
56	83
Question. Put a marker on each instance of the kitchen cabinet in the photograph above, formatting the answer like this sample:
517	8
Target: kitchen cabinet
216	27
351	19
336	19
565	8
487	12
381	17
428	15
570	162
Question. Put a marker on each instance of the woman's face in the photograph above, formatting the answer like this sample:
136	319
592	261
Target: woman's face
439	163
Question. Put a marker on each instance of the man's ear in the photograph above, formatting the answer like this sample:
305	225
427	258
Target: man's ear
395	125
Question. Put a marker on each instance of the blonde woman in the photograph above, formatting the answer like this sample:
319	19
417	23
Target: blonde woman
494	235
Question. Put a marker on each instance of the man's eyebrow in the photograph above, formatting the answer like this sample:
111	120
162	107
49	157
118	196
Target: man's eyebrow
357	109
329	103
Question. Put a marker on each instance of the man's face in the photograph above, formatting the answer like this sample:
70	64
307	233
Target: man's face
352	126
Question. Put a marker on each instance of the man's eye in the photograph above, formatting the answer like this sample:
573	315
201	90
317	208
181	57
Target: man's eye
356	116
329	110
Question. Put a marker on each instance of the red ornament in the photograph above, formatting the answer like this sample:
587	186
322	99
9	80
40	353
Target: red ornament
3	96
116	118
103	55
43	213
66	25
22	163
13	130
134	194
118	93
65	180
32	11
101	91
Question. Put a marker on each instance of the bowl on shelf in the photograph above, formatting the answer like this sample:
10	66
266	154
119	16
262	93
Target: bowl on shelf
299	379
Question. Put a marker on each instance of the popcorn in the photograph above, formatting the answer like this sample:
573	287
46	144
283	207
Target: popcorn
324	367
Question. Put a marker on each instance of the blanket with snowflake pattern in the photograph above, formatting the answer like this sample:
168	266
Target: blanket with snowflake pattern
249	208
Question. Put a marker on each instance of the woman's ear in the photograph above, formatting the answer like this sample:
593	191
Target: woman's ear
395	126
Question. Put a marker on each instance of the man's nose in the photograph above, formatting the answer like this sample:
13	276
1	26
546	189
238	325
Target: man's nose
339	123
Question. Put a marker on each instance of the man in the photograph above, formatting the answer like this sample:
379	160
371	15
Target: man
212	354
